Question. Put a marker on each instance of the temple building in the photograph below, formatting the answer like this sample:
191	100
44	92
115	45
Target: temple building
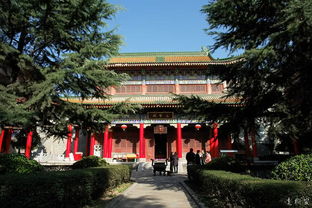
158	129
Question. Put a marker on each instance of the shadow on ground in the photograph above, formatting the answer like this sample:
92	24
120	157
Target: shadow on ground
154	191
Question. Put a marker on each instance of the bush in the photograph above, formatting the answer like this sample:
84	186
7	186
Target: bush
297	168
18	164
90	161
74	188
235	190
225	163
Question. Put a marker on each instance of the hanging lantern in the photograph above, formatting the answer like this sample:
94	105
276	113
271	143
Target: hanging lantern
197	126
124	126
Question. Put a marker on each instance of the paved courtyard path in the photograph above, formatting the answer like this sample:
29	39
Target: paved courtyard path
151	191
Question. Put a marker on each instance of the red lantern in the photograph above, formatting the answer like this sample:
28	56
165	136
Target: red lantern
197	126
124	126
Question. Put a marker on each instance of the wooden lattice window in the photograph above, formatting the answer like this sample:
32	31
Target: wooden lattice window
216	88
160	88
129	89
193	88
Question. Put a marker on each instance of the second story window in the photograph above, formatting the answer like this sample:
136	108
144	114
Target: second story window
160	88
134	89
189	88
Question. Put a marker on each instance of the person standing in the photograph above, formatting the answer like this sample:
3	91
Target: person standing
175	162
197	157
171	159
190	157
208	158
203	157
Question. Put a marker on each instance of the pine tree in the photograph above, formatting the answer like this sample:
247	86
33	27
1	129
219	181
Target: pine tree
51	50
274	81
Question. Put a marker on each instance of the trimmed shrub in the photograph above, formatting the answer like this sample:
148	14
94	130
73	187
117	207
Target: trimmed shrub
297	168
18	164
90	161
74	188
225	163
236	190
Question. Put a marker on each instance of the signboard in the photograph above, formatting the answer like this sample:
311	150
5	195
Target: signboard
160	115
160	129
98	150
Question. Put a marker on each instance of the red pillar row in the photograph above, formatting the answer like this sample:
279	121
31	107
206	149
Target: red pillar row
69	138
76	142
142	141
8	136
110	144
105	143
2	136
28	144
214	142
92	143
179	140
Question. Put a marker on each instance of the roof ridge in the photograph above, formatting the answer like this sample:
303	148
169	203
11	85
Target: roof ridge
173	53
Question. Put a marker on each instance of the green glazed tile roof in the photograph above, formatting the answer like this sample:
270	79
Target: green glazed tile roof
150	100
166	58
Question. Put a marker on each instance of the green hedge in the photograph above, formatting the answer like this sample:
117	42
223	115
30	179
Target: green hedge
73	188
19	164
90	161
236	190
225	163
297	168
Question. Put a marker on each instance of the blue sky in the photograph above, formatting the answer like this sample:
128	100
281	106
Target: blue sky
162	26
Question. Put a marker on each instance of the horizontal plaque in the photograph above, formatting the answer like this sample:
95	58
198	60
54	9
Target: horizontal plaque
160	115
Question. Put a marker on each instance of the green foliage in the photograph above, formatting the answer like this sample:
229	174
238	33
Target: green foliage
297	168
236	190
74	188
18	164
90	161
272	76
52	50
225	163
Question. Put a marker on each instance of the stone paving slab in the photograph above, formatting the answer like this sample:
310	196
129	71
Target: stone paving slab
154	191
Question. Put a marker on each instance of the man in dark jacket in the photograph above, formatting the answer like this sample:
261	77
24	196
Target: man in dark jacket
190	157
175	162
197	158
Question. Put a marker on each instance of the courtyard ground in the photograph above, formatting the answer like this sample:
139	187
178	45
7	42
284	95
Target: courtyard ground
156	191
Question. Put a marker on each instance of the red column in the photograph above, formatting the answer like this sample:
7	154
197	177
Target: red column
28	144
179	140
254	144
69	138
211	143
8	140
105	143
92	142
296	147
110	144
214	142
142	141
246	142
2	136
76	142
